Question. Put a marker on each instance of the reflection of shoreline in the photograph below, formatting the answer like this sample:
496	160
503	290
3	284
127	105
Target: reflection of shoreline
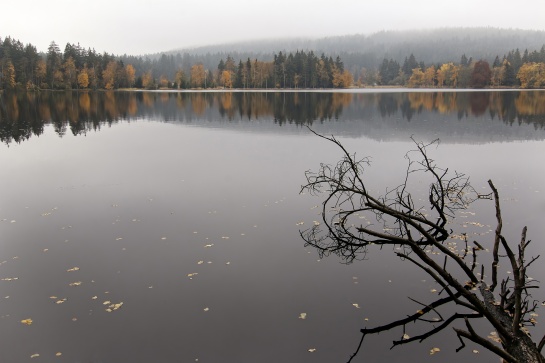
367	90
477	116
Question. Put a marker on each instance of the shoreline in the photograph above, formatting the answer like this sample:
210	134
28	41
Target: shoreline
379	89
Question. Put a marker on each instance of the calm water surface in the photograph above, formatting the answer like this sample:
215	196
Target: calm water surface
185	208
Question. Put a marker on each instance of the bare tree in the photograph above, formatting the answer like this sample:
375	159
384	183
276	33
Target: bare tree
419	234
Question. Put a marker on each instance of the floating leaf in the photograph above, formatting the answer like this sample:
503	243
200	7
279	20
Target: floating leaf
107	302
26	321
60	301
356	306
312	350
200	262
58	354
76	283
36	355
192	274
475	351
206	309
303	316
434	350
405	336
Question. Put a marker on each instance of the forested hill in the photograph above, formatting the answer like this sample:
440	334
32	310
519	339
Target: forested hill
368	51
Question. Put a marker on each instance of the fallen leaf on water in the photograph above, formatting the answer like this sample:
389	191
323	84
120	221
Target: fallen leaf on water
434	350
206	309
77	283
475	351
60	301
356	306
107	302
163	238
405	336
58	354
200	262
73	269
210	245
34	355
303	316
312	350
192	274
27	321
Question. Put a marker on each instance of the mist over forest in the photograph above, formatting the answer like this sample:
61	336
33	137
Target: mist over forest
446	57
357	51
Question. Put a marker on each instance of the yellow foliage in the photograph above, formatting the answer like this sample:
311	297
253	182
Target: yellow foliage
83	78
417	78
130	71
532	75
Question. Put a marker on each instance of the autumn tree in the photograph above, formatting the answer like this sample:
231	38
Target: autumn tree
481	75
429	76
342	79
109	74
83	78
40	72
225	79
420	232
417	78
147	80
180	78
8	74
130	72
446	75
532	75
197	75
70	76
163	82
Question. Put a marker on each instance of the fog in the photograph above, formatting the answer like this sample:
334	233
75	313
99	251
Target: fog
137	27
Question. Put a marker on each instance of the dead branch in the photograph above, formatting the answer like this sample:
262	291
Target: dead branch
399	221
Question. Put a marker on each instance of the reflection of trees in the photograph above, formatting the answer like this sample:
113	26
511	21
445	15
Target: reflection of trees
24	114
198	103
479	103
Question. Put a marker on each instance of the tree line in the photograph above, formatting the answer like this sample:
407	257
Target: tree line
513	70
23	67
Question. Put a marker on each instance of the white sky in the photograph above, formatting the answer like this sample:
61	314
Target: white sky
149	26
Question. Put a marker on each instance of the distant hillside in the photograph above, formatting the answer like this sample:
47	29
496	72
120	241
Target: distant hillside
431	46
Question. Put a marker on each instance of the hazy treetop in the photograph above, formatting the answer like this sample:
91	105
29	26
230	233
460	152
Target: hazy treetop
140	27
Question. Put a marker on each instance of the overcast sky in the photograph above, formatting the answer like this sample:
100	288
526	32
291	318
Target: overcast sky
149	26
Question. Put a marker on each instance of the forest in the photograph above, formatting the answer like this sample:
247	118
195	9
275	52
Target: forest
77	67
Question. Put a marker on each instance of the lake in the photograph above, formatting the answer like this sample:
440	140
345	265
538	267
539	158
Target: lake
164	226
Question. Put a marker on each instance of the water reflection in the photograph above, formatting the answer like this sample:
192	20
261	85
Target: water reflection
25	114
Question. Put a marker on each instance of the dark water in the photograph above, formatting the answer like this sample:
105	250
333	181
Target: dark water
185	207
